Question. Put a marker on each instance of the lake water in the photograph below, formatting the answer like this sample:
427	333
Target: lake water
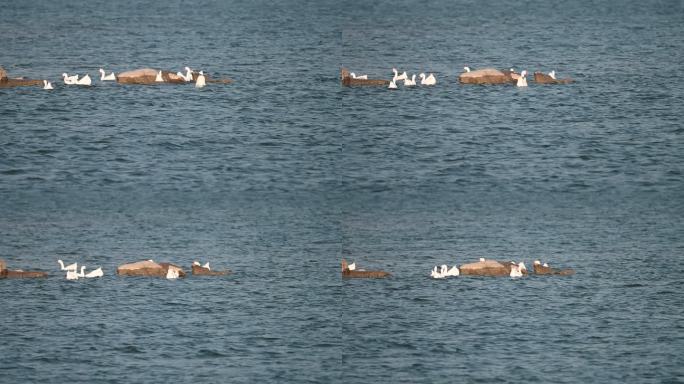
284	172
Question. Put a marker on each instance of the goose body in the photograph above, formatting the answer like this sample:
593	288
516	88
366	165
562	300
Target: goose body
105	77
82	273
72	275
159	78
410	83
69	80
362	77
172	273
515	271
537	262
552	74
206	265
398	77
482	259
430	80
352	266
522	80
392	85
70	267
85	80
196	263
47	84
201	81
96	273
453	271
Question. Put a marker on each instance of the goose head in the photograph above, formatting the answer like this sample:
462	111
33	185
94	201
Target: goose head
102	71
65	75
422	75
523	73
395	71
201	73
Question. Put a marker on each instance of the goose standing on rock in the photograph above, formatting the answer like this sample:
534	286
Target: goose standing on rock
95	273
159	78
522	80
85	80
515	271
430	80
453	271
188	74
201	81
352	266
47	84
552	74
172	273
104	77
362	77
206	265
435	274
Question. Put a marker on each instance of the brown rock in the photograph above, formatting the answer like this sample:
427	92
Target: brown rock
484	76
348	81
542	270
485	268
543	78
201	271
148	268
21	82
138	76
3	75
18	274
346	273
3	265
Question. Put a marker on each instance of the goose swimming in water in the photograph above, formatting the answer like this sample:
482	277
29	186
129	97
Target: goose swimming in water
95	273
85	80
104	77
410	83
392	85
545	265
435	274
159	78
430	80
47	84
69	80
362	77
201	81
70	267
397	77
522	81
72	275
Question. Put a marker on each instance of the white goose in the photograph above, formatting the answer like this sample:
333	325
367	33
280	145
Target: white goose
522	81
361	77
85	80
72	275
552	74
69	80
410	83
201	81
206	265
435	274
546	265
537	262
397	77
197	263
82	273
172	273
70	267
392	85
482	259
430	80
453	271
104	77
96	273
522	267
352	266
159	78
47	84
515	271
467	69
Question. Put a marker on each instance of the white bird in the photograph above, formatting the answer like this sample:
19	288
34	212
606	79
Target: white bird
453	271
537	262
352	266
47	84
546	265
410	83
467	69
435	274
72	275
201	81
69	80
392	85
206	265
187	76
522	81
430	80
361	77
159	78
96	273
522	267
172	273
397	77
104	77
82	273
196	263
515	271
552	74
70	267
85	80
482	259
443	269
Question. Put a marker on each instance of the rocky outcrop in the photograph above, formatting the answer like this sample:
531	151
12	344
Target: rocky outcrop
485	268
201	271
484	76
542	270
6	82
18	274
348	81
148	268
359	273
148	76
543	78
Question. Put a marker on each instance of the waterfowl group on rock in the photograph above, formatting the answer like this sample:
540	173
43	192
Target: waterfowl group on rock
494	76
544	269
205	270
348	80
360	273
6	273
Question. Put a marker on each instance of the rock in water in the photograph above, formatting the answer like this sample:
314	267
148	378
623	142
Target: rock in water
484	76
485	268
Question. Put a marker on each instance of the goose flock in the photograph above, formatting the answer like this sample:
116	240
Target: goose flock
73	274
200	81
425	80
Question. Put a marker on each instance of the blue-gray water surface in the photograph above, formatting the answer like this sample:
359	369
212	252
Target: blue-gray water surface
281	174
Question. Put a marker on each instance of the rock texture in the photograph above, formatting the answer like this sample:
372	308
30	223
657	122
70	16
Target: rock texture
18	274
542	270
6	82
348	81
484	76
148	268
543	78
346	273
201	271
485	268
